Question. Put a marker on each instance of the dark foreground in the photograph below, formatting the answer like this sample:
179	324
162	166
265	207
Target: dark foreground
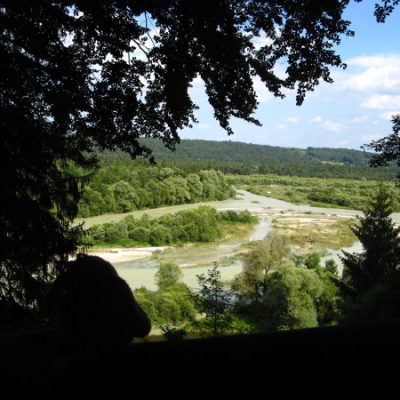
336	358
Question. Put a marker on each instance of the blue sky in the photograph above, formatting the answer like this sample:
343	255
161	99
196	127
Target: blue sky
352	111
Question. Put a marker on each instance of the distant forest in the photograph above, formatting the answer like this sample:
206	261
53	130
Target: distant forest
245	159
196	172
122	185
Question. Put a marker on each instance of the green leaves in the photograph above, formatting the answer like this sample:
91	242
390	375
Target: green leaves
214	302
379	237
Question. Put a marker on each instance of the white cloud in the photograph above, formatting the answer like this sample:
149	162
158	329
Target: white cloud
293	120
203	126
263	94
370	136
382	101
330	126
358	120
379	60
381	74
281	126
389	114
334	126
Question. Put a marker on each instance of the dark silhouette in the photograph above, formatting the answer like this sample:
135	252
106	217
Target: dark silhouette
387	147
94	307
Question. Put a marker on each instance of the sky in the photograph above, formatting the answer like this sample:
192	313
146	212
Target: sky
352	111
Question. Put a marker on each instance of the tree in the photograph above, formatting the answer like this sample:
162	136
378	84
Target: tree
381	243
214	302
388	147
312	261
331	267
267	255
290	301
168	275
125	196
78	77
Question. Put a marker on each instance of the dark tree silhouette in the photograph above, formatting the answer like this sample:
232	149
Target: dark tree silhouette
380	239
77	76
387	147
214	302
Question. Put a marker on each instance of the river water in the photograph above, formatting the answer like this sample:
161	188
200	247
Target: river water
197	259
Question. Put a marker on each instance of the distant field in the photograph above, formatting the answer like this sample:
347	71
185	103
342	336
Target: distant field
319	192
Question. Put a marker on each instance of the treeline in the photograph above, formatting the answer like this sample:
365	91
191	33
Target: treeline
342	193
245	159
203	224
122	185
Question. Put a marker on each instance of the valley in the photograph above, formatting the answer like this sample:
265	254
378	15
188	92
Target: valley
138	266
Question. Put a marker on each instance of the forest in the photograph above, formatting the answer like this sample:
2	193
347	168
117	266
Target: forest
339	193
232	157
203	224
122	185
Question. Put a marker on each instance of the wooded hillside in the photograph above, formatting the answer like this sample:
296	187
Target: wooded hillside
245	158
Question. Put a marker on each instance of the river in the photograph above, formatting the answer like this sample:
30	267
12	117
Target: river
197	259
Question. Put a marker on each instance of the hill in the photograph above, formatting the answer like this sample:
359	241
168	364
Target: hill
245	158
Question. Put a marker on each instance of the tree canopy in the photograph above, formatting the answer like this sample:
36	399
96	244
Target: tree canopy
381	247
387	147
168	274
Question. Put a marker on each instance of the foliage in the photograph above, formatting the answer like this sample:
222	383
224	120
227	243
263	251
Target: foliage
238	158
388	147
312	261
379	304
122	185
203	224
250	285
381	243
329	302
331	267
289	302
286	296
214	302
299	297
172	333
243	217
168	275
171	306
338	193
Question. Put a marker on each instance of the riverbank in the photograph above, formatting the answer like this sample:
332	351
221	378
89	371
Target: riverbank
120	255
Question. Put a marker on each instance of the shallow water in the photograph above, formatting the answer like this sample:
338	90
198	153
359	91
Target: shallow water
193	259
